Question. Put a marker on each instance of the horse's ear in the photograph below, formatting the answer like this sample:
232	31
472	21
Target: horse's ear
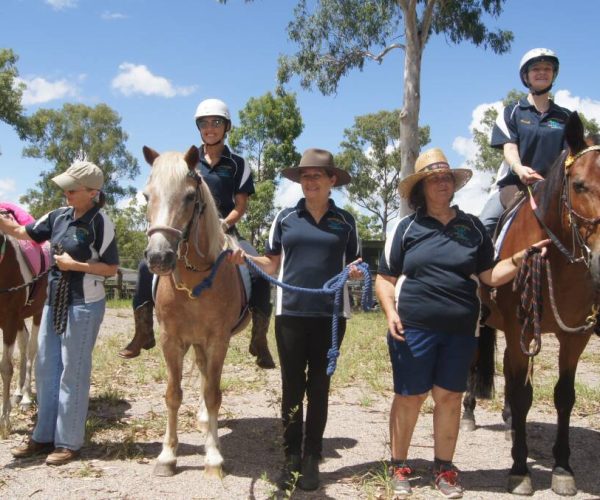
150	155
192	157
574	133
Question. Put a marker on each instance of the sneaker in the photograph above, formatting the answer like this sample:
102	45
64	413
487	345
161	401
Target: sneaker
447	484
400	479
31	448
61	456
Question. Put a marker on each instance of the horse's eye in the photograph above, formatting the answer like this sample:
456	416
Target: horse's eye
579	187
190	197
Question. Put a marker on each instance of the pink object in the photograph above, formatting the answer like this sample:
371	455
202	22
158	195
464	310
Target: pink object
36	255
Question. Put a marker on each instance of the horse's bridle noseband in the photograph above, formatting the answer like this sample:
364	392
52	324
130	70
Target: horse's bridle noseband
199	206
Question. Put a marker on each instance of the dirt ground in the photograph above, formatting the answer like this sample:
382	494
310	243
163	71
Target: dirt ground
249	427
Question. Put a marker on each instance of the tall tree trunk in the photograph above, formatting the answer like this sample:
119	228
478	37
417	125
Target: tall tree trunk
409	116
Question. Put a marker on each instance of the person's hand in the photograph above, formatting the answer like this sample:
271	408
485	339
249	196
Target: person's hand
64	261
527	175
395	327
237	257
543	245
355	273
517	258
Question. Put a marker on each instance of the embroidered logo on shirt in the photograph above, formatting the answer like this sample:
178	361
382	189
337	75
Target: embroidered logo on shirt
336	224
461	233
81	234
526	122
554	124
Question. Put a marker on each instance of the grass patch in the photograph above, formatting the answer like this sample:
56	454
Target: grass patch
118	303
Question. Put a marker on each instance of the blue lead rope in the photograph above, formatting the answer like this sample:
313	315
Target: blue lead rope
334	286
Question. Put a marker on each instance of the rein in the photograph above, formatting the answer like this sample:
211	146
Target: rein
529	277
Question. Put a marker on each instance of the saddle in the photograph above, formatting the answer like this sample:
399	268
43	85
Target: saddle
33	258
511	198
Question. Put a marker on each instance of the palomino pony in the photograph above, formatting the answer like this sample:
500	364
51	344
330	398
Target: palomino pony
15	306
568	212
185	241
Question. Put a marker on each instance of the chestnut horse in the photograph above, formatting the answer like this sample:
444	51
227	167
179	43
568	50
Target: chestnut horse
15	306
565	208
185	240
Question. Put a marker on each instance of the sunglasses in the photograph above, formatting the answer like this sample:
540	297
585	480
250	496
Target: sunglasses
216	123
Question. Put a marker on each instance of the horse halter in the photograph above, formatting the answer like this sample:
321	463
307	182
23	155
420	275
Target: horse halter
589	224
199	206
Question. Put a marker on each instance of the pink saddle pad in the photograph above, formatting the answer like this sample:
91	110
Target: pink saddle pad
36	255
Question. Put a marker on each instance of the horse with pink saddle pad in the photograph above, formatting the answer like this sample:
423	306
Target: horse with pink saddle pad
19	300
36	256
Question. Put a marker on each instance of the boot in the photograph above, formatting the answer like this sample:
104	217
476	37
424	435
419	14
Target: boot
258	342
290	472
309	480
144	334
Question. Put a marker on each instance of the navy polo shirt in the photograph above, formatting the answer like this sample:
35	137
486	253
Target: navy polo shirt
230	176
437	268
311	254
91	238
540	137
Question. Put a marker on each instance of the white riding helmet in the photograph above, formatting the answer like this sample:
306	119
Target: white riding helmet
535	56
212	107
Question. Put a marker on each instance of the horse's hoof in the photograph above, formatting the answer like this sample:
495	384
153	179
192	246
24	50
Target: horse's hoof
165	469
15	399
563	482
213	471
467	424
520	485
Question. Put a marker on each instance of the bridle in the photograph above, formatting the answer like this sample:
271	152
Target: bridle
575	219
182	236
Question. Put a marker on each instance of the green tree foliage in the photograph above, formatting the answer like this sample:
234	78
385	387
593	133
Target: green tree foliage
267	129
337	36
255	225
371	153
488	159
368	226
78	132
11	110
130	229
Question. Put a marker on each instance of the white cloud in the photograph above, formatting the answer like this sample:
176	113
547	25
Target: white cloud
39	90
589	107
288	193
473	196
8	187
62	4
112	16
137	79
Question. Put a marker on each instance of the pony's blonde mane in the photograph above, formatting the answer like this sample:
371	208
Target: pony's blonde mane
212	224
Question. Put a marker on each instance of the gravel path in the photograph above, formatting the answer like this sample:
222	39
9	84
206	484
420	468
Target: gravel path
355	444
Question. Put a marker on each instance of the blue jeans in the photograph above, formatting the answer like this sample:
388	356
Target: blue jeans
491	213
63	370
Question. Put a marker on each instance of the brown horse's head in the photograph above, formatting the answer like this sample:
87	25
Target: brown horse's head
583	194
173	194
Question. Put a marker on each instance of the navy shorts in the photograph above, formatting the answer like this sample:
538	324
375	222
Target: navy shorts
430	358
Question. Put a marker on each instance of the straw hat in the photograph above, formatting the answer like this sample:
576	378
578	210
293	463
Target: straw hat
80	174
433	161
317	158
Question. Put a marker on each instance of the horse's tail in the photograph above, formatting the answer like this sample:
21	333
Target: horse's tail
484	368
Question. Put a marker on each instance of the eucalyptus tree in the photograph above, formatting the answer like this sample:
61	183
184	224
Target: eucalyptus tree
337	36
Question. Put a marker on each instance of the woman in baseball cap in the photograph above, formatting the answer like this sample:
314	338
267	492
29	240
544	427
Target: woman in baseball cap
85	252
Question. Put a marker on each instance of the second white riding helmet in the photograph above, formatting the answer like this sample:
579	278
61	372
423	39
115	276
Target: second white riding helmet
212	107
534	56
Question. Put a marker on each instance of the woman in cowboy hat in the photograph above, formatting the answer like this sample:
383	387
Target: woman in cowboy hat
427	286
309	244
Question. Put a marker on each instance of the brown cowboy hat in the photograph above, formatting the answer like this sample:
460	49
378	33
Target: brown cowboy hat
433	161
317	158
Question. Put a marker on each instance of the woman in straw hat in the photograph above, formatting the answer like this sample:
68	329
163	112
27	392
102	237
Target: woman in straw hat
309	244
427	287
86	237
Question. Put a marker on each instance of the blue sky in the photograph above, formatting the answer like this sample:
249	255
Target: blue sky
153	61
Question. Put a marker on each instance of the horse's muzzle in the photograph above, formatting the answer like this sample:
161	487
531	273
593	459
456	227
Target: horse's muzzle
160	262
